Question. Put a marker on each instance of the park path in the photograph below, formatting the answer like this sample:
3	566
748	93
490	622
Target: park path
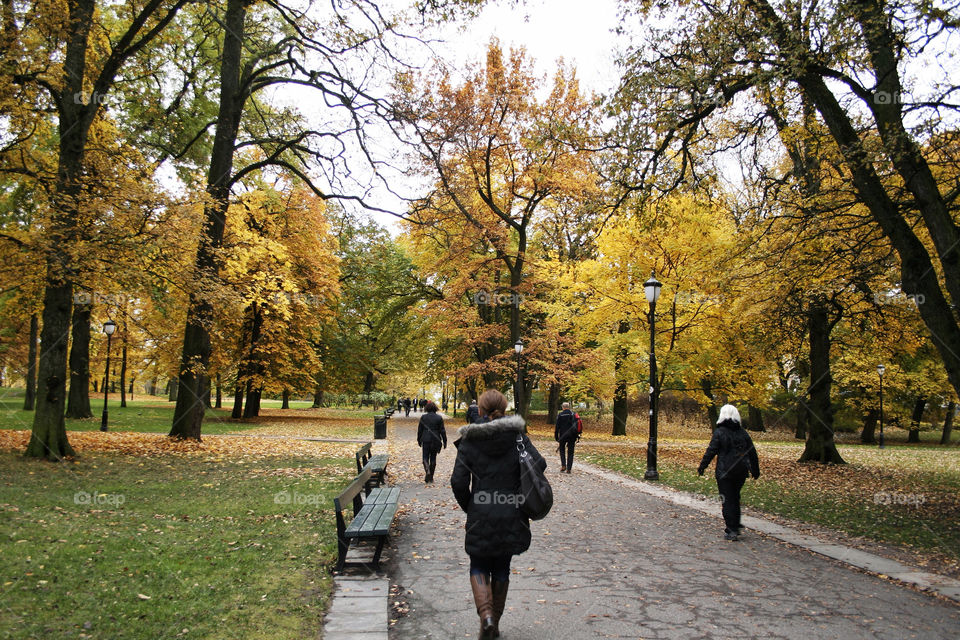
614	562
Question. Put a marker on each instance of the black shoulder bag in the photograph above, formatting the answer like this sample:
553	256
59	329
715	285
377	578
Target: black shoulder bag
536	490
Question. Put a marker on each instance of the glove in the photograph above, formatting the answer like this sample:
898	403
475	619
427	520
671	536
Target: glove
700	471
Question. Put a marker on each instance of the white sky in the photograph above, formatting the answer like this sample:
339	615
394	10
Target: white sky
578	31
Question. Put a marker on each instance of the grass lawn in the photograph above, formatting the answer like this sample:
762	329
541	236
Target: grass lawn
167	546
144	537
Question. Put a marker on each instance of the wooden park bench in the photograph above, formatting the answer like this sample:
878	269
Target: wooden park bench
387	413
371	516
376	463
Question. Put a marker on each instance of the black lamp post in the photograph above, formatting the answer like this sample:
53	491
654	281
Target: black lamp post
518	391
881	370
651	288
108	328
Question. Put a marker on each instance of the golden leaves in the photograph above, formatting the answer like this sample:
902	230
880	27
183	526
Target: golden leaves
238	449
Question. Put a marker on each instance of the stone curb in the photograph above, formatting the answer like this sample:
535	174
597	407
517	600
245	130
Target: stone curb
930	582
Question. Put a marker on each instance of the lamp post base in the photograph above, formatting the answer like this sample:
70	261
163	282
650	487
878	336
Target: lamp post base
651	474
103	422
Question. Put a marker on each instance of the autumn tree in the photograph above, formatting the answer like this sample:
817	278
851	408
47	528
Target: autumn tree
847	62
497	155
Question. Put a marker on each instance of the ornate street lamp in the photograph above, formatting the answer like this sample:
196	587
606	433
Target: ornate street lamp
108	328
651	288
518	390
881	370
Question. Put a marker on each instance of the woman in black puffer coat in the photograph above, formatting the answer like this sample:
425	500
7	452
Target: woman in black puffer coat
432	437
486	484
736	457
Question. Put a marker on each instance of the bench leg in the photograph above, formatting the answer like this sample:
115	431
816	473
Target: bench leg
376	554
342	546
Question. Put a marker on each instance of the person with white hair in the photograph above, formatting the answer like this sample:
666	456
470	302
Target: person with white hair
736	458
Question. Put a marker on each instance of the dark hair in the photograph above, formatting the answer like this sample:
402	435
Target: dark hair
431	407
492	404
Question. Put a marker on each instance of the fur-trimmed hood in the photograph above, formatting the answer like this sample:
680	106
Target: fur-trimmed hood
488	430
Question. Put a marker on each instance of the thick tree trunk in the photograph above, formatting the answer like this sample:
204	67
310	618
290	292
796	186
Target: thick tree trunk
948	423
173	390
820	446
620	390
553	403
867	435
913	436
318	396
755	419
78	404
286	399
188	416
252	410
48	438
219	401
153	386
30	395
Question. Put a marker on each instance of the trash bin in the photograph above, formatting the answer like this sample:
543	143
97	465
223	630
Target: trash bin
380	427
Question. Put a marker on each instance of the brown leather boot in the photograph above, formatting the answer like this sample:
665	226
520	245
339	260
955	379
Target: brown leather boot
499	591
484	600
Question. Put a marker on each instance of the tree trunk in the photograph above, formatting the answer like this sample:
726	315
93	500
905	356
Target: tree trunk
755	419
867	435
913	436
820	446
286	399
252	410
173	390
219	401
948	423
713	414
237	412
553	403
78	404
123	368
318	396
803	419
188	416
30	395
620	391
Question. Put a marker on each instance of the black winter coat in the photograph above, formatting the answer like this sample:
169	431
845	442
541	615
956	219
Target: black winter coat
431	432
566	428
736	455
486	484
473	414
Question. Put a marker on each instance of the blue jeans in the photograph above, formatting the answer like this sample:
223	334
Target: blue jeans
495	568
566	453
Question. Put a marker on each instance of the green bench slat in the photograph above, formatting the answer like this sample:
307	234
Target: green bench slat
383	524
383	495
368	522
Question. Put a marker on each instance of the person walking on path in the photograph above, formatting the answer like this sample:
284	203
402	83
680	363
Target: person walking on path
406	407
486	484
736	457
473	413
432	437
566	434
